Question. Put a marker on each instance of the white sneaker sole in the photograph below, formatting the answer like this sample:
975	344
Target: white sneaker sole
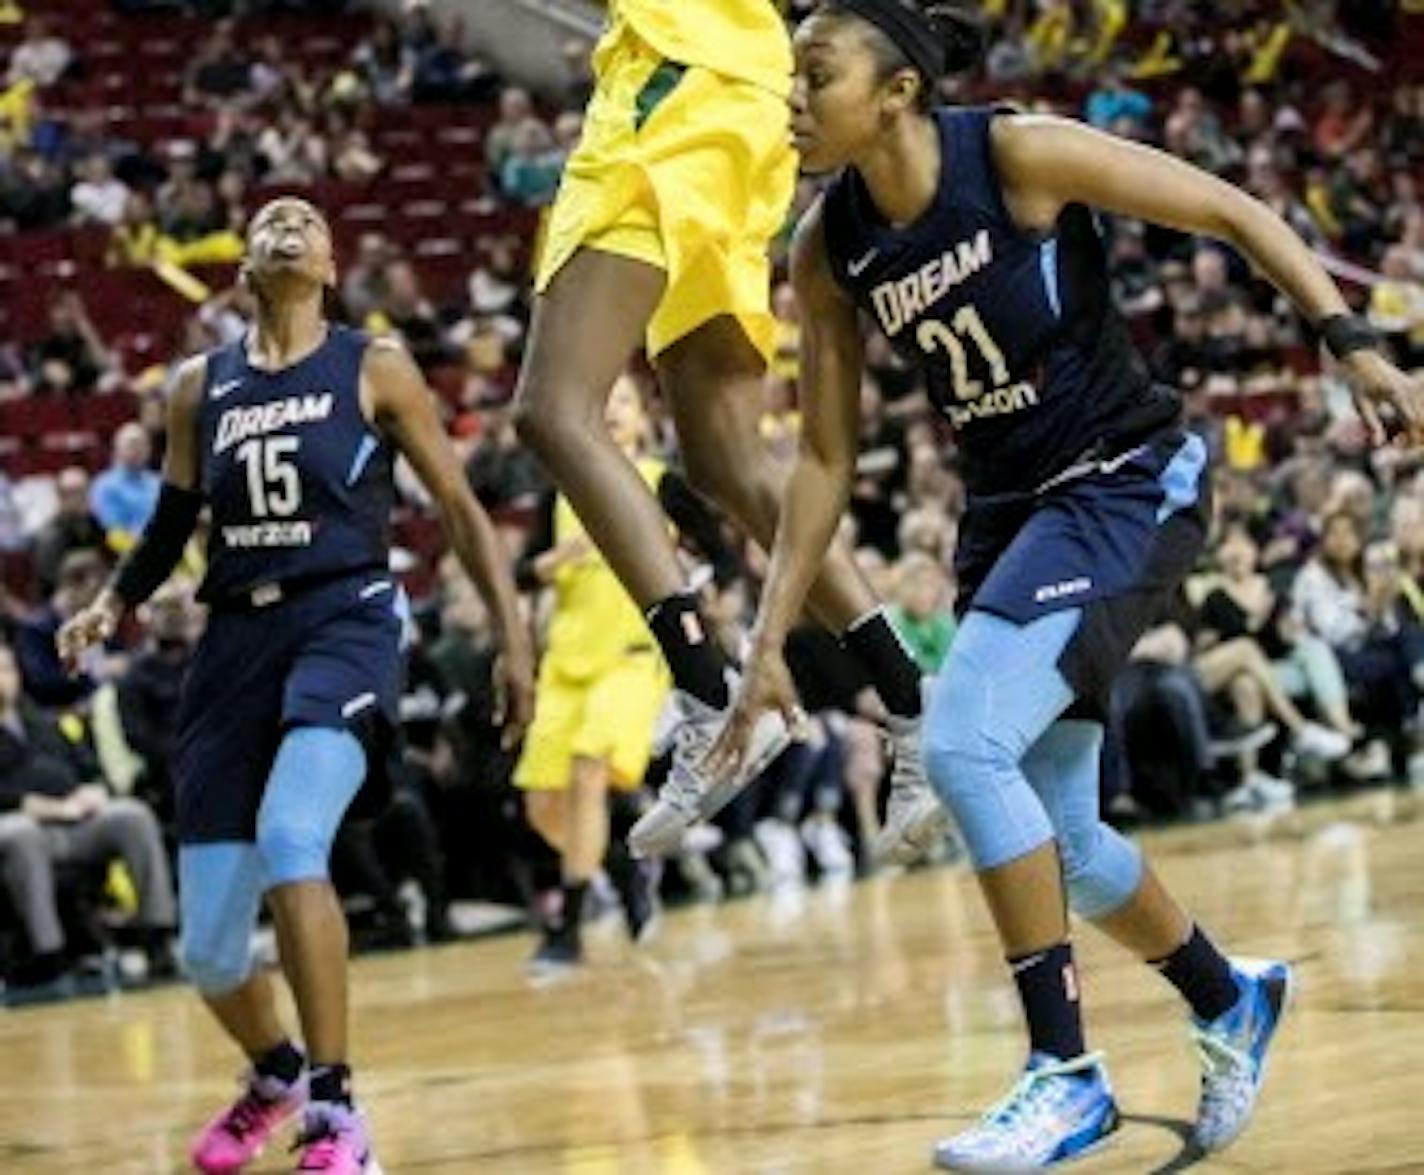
1086	1153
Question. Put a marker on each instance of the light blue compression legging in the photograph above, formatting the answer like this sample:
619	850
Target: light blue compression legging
1012	770
314	778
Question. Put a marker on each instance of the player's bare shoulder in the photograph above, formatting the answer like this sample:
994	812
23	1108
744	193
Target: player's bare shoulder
390	379
811	271
189	382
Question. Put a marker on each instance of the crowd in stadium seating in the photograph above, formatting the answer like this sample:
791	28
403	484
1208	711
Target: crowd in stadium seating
1295	659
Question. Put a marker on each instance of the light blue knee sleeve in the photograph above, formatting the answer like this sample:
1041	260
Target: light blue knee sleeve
316	775
219	888
1101	868
999	691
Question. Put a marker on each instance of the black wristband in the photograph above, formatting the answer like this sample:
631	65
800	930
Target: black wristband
1344	334
157	552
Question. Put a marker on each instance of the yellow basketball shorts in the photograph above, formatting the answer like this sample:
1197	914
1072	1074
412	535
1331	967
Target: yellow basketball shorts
685	169
608	717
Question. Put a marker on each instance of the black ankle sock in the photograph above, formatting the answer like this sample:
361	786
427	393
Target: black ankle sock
872	641
694	657
572	915
625	809
331	1083
1048	987
619	863
284	1062
1202	974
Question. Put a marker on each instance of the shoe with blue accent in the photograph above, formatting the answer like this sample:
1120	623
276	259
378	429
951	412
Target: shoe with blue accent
1059	1111
1233	1050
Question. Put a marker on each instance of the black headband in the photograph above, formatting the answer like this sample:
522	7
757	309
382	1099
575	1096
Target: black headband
910	30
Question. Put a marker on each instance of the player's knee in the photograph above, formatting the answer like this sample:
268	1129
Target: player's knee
292	850
547	429
964	755
217	959
547	810
533	422
316	775
1101	870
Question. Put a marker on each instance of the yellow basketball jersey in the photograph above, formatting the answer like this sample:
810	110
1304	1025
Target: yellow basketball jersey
595	621
744	39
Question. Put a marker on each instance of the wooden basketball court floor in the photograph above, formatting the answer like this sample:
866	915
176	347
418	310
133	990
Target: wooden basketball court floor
837	1030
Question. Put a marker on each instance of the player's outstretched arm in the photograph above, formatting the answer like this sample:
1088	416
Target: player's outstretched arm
1046	163
398	400
160	547
819	486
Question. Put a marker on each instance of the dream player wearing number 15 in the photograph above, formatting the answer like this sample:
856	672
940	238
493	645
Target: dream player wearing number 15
968	235
289	437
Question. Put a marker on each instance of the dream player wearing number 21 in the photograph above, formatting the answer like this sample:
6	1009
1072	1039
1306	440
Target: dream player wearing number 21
289	437
969	236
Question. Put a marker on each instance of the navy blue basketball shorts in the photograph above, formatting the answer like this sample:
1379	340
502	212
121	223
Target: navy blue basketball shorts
1115	543
327	655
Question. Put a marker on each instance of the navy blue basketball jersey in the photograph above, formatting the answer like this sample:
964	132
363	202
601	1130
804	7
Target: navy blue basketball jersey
1023	352
299	485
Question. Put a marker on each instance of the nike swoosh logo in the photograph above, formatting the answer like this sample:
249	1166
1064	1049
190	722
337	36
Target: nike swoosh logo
862	264
222	389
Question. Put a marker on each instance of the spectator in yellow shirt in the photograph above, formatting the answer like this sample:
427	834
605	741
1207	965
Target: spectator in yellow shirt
1397	305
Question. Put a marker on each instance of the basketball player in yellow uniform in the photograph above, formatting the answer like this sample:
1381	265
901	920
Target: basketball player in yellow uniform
659	238
601	685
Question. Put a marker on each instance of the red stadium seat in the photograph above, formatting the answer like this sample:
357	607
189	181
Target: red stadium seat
17	573
34	416
104	414
448	381
27	250
423	209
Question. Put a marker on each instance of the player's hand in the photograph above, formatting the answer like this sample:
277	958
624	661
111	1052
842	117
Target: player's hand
572	550
1378	384
577	547
766	685
89	627
514	694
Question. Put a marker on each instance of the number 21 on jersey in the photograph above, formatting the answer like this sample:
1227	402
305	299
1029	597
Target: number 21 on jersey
933	335
972	399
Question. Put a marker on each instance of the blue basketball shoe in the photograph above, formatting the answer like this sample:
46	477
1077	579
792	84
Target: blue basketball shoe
1233	1051
1059	1111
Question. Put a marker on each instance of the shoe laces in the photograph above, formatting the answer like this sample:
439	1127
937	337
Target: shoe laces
320	1140
1220	1058
1036	1095
246	1114
692	740
1227	1070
